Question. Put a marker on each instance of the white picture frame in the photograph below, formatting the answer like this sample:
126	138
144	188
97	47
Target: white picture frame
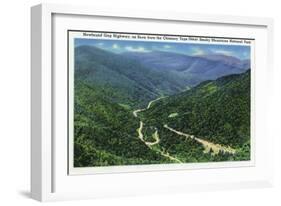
51	181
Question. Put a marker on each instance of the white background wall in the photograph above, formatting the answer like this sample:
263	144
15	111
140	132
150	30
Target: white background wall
15	95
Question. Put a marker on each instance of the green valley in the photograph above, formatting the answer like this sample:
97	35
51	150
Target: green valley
127	112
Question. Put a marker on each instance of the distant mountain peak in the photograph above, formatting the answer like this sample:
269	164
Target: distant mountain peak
221	57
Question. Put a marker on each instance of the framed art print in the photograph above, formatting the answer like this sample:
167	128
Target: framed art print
124	99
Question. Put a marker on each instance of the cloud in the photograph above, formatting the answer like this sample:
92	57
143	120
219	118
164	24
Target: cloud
100	45
196	51
115	46
246	55
167	46
224	52
136	49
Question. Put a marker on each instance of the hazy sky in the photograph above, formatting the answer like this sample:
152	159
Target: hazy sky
120	46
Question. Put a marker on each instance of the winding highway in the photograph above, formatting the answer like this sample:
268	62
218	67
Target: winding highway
155	135
208	146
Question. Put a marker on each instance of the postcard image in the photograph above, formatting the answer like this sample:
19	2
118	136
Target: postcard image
150	99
